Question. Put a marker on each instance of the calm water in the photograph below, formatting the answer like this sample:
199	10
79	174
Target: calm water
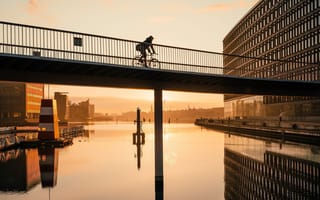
198	164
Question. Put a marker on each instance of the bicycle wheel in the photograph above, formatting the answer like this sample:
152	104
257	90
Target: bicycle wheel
136	62
154	63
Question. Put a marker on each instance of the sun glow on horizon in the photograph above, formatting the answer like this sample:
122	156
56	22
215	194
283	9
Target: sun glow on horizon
117	100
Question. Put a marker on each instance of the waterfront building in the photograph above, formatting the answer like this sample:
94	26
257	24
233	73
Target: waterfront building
82	111
62	106
285	35
20	102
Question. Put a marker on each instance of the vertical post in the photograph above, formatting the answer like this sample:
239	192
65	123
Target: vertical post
158	143
138	121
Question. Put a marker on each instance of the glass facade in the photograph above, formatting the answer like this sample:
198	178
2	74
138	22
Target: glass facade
34	94
284	36
62	105
20	102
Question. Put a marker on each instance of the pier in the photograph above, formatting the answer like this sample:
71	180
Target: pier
269	130
15	137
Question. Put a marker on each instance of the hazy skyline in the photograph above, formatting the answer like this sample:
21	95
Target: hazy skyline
192	24
108	100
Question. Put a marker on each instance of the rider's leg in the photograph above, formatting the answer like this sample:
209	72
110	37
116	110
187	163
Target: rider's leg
141	57
144	56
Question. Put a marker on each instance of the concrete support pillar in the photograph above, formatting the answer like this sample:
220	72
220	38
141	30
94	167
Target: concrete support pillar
158	143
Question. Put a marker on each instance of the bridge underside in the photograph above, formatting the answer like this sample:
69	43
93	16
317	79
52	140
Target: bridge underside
43	70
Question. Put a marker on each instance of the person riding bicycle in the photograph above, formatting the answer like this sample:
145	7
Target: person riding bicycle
142	47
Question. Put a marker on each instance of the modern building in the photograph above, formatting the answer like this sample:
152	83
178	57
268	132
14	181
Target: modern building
62	106
285	36
20	102
81	112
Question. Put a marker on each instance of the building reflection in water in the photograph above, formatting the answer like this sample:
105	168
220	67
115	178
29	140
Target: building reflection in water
257	169
19	170
22	169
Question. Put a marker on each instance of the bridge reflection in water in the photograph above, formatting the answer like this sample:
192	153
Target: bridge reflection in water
23	169
255	171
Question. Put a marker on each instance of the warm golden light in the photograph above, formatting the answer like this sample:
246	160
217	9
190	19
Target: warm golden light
118	100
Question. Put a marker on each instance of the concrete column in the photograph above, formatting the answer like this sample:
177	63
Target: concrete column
158	143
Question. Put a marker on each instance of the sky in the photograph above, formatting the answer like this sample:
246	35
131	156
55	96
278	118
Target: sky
196	24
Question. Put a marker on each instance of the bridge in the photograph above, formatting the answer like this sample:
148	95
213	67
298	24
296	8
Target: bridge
46	55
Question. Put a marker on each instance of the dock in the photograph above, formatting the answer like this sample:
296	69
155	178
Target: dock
14	137
264	131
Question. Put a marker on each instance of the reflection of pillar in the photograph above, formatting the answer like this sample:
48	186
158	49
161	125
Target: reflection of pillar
139	156
158	144
48	122
48	166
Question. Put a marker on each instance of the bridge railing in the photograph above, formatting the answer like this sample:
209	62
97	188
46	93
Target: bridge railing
19	39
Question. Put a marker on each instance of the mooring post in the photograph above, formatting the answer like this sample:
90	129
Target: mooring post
138	122
158	143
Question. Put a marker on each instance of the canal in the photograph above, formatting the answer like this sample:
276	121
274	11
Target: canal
198	164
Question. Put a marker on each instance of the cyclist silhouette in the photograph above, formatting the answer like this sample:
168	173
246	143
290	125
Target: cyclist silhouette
142	47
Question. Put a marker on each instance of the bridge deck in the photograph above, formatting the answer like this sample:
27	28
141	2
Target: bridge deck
54	71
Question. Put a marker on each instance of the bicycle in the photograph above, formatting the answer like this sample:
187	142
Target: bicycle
150	61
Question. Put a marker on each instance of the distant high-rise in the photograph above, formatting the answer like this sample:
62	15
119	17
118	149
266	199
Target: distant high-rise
287	32
20	102
83	111
62	105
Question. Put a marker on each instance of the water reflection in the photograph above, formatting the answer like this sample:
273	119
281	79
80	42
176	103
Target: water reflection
257	171
48	161
23	169
138	139
19	170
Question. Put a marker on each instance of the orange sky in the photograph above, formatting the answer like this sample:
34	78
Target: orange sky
115	100
192	24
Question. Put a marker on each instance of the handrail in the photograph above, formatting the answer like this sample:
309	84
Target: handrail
29	40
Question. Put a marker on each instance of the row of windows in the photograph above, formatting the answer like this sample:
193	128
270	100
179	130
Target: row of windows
279	99
309	73
292	54
300	37
290	38
267	11
280	29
